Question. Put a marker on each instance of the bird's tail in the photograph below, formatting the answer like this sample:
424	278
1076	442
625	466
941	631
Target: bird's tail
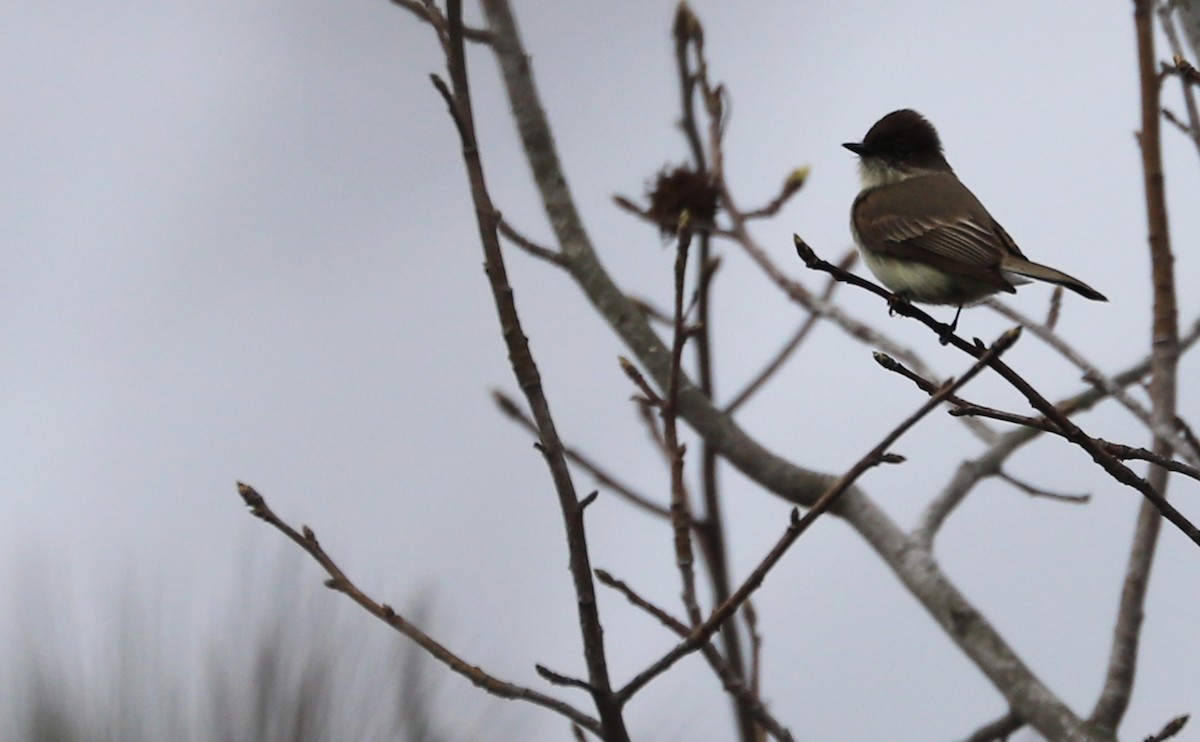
1030	269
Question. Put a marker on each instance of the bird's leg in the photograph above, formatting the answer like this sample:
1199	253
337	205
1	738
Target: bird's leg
897	300
948	330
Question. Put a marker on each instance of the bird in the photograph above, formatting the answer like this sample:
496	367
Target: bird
923	233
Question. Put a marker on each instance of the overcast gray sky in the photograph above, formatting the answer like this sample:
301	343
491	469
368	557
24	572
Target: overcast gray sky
236	243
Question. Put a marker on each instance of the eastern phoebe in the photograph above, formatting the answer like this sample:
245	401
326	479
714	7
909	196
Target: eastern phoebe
922	233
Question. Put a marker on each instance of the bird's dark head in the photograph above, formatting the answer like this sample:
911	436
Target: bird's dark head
904	142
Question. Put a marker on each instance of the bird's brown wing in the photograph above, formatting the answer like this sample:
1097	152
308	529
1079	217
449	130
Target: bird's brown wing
934	219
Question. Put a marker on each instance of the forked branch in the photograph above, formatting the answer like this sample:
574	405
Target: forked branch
1070	430
338	580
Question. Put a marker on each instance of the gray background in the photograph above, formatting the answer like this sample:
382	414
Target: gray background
237	244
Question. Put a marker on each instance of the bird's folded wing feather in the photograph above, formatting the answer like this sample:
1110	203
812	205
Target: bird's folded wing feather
936	220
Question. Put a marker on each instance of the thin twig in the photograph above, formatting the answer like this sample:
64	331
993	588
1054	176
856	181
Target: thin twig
1029	489
1170	729
791	186
628	204
634	375
793	343
998	730
338	580
961	407
756	645
666	619
681	511
688	33
1124	452
1055	310
1188	76
429	13
970	409
526	244
1182	425
926	385
645	410
559	679
601	475
746	695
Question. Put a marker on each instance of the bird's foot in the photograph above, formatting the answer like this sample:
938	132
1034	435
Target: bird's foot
946	331
897	301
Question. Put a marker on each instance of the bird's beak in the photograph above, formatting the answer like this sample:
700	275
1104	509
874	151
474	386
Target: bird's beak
858	148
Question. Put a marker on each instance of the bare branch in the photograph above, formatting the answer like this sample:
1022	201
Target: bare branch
971	473
897	304
926	385
1164	358
998	730
688	34
1187	74
792	344
970	409
756	644
747	696
962	407
681	511
564	680
1029	489
666	619
791	186
645	410
429	13
343	584
526	244
651	397
1071	431
1055	308
602	476
798	293
799	525
1128	452
1182	426
631	206
1170	729
529	379
1169	433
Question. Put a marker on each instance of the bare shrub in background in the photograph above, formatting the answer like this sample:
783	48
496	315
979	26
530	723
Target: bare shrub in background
289	667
